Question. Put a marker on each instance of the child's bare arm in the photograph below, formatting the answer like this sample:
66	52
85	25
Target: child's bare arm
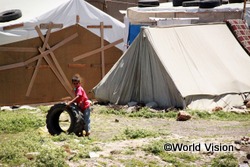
70	102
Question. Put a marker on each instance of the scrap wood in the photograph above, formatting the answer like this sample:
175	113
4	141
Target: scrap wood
47	25
38	62
13	26
25	63
53	64
97	50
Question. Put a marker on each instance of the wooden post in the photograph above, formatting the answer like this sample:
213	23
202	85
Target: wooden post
101	26
102	45
244	10
77	19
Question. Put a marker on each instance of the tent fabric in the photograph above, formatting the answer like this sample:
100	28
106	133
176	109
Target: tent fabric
57	11
198	66
241	32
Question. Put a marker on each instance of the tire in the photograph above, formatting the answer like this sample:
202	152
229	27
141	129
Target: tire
148	3
209	3
190	3
76	116
10	15
177	2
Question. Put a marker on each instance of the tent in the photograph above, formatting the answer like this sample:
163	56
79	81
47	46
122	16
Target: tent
195	66
51	41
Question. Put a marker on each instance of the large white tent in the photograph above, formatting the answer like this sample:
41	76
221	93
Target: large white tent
36	12
196	66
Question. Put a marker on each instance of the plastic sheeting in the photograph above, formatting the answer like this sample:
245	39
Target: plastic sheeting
138	15
198	66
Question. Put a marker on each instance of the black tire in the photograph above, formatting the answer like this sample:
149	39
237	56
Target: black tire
209	3
152	3
10	15
177	2
76	116
191	3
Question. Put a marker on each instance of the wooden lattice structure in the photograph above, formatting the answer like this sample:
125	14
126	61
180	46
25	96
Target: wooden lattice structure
39	70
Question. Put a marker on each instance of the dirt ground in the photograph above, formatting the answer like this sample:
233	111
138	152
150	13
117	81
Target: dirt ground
118	152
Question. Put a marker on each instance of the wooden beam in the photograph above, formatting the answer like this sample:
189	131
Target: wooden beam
77	65
102	45
56	63
52	49
97	50
244	10
17	49
22	64
58	75
10	66
39	61
45	42
46	25
33	77
13	26
77	19
97	26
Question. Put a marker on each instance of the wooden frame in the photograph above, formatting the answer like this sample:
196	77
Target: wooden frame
44	50
102	48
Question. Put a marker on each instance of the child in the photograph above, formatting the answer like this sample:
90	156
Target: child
82	101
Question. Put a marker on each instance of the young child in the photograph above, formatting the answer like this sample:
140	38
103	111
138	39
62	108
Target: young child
82	101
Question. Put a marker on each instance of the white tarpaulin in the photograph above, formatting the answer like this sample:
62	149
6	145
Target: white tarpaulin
63	12
137	15
198	66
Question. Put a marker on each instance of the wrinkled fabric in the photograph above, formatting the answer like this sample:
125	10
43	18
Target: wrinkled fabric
180	66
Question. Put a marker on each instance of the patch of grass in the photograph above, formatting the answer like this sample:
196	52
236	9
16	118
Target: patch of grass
96	148
155	147
52	150
224	160
179	159
51	157
14	149
105	110
143	112
182	159
44	109
129	151
135	134
220	115
146	113
135	162
19	121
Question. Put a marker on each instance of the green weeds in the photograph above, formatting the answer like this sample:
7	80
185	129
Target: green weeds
19	121
135	134
196	114
224	160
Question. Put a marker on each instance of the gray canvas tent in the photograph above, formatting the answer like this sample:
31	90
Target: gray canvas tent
196	66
